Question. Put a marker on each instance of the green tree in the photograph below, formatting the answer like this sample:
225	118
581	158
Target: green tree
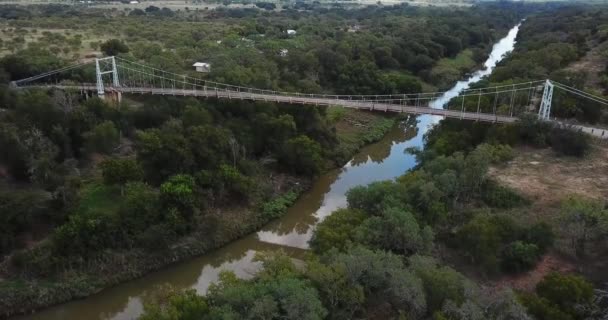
18	210
519	256
279	296
114	47
583	220
481	241
441	283
337	230
566	291
178	196
120	171
561	297
139	209
102	138
302	155
395	230
173	305
381	276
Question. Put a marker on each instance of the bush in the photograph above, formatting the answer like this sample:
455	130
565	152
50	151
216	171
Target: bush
279	205
302	155
541	234
566	141
336	231
156	237
498	196
542	308
569	292
560	297
113	47
519	256
103	138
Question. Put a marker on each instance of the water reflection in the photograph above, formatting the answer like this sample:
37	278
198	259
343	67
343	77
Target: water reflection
384	160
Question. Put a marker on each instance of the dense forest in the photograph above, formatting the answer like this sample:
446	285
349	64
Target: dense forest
548	45
377	258
368	51
93	194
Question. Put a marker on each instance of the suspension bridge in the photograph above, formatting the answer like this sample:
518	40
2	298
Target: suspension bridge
114	76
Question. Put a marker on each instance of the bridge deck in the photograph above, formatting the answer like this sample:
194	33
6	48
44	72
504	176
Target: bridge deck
298	99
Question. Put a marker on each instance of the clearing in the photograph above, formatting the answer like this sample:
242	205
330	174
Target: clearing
546	180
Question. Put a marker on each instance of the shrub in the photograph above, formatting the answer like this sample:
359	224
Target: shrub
156	237
568	142
569	292
113	47
541	234
542	308
336	230
498	196
279	205
519	256
103	138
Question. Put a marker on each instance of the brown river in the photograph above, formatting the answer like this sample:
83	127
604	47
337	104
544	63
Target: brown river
386	159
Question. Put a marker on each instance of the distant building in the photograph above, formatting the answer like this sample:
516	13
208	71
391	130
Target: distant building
134	2
354	28
202	66
283	52
291	32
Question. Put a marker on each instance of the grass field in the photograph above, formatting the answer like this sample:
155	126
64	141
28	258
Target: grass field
67	43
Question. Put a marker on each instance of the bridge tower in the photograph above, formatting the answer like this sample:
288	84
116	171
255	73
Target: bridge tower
104	66
544	112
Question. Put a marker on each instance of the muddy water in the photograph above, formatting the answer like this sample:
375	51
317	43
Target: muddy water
383	160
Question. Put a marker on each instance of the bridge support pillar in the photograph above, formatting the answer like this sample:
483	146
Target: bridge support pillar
104	66
544	112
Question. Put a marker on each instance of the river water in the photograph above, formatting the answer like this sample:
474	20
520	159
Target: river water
383	160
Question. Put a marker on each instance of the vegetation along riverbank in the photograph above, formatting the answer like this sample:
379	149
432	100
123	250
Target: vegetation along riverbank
94	193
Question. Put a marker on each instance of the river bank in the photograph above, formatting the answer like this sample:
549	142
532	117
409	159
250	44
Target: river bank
22	295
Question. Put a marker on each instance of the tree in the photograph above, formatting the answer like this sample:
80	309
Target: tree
18	210
164	152
375	197
279	294
566	291
337	230
519	256
569	142
102	138
395	230
173	305
561	297
381	276
583	220
440	283
114	47
481	240
120	171
178	196
302	155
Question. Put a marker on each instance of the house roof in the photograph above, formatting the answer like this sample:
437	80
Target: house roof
201	64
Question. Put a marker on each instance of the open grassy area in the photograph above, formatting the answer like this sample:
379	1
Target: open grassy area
547	180
66	43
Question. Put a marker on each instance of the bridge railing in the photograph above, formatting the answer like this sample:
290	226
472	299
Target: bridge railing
140	75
